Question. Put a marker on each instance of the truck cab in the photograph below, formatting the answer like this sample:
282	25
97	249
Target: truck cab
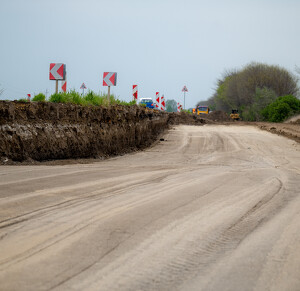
148	102
203	110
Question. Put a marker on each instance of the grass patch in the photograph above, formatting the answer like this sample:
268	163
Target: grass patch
91	98
39	98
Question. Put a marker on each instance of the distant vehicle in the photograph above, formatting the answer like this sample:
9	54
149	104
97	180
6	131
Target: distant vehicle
235	114
148	102
203	110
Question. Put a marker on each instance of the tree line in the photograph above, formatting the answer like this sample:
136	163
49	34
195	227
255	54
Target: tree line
253	89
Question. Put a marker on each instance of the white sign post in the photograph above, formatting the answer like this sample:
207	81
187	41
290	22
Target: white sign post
83	87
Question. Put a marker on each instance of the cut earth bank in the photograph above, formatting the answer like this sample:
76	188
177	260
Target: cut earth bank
43	131
40	131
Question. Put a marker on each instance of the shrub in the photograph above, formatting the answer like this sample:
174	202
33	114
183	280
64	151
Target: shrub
75	98
59	98
39	97
282	108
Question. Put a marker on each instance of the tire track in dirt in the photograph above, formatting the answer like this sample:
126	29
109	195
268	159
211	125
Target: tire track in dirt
168	218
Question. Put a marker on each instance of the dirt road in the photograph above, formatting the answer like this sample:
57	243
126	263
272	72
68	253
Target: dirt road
208	208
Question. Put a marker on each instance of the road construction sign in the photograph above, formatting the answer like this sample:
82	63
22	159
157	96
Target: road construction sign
109	79
135	92
83	86
184	89
57	71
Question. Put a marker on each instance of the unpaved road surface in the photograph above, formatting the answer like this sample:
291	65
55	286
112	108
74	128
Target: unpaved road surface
208	208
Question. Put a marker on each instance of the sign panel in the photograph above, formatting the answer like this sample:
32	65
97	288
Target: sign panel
109	79
83	86
163	104
64	86
184	89
179	107
57	71
135	92
157	99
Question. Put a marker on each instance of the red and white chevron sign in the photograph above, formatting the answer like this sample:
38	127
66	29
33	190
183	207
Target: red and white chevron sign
57	71
157	99
179	107
162	103
64	86
109	79
135	92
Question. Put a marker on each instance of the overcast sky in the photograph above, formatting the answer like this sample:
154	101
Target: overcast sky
160	45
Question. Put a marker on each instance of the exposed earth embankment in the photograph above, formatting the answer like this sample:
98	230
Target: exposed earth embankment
46	131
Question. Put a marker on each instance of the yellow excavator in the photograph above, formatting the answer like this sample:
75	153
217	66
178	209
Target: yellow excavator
235	114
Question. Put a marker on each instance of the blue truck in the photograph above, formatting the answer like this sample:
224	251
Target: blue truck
148	102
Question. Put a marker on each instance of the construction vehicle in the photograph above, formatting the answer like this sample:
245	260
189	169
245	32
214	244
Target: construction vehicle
203	110
235	114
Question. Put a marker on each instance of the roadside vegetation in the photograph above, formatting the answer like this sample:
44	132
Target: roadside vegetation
259	91
74	97
39	97
282	108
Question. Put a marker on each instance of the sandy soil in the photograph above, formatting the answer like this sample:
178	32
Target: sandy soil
289	130
293	119
207	208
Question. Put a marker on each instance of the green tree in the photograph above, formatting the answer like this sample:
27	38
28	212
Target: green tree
252	88
171	105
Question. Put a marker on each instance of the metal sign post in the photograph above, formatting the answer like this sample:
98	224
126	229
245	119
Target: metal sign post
56	87
108	94
83	87
184	89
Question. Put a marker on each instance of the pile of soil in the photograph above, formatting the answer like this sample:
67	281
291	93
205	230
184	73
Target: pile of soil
187	119
293	120
217	116
46	131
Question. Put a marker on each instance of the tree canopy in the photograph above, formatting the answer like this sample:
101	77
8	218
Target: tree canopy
171	105
251	89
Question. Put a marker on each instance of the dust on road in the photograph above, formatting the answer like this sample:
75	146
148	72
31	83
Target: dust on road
208	208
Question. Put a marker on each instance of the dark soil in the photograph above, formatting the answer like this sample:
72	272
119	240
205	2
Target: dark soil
67	133
217	116
40	131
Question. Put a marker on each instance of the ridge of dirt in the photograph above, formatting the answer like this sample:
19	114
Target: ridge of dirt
217	116
289	130
41	131
52	133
